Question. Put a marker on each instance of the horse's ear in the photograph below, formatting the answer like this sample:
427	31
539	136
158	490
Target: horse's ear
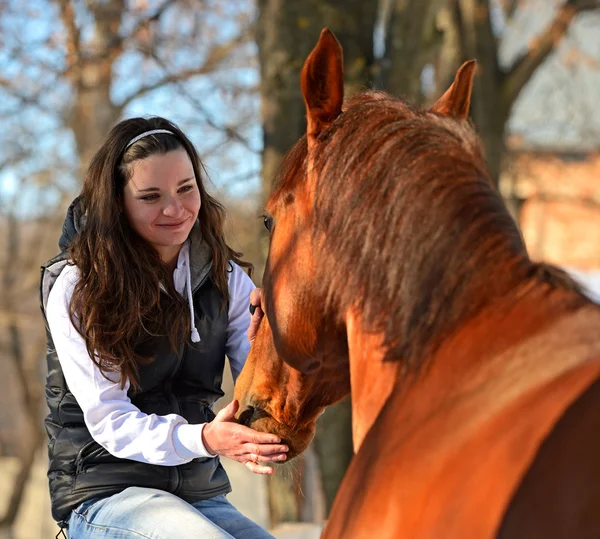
457	99
323	84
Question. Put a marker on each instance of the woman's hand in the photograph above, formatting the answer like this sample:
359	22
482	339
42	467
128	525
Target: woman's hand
223	436
257	313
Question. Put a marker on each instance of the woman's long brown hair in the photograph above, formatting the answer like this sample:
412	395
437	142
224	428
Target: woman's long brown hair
117	304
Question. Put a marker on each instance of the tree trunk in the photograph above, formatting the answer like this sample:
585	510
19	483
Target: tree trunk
488	108
334	456
450	54
287	32
412	39
445	34
30	435
90	72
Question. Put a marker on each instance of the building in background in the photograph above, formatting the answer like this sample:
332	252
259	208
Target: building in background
559	195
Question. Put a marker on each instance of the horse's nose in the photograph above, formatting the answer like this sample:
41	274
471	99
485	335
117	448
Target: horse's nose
246	416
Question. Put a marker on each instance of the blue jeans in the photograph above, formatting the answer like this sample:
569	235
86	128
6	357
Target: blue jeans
138	513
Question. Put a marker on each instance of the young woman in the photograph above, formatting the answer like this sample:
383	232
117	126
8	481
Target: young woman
141	307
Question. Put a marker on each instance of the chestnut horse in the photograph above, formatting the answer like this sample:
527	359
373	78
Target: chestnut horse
395	272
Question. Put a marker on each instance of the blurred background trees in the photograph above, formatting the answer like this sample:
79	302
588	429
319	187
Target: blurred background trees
227	71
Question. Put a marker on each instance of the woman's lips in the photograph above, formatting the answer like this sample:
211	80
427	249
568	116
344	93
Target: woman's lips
173	226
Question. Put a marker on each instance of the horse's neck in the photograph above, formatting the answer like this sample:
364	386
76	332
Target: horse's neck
504	353
448	450
500	350
371	379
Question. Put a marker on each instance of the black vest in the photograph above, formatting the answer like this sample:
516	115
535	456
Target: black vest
186	382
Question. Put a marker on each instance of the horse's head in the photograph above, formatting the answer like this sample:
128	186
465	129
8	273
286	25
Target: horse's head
308	294
279	399
350	239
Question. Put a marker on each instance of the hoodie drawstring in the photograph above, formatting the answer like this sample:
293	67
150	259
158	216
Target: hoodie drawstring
188	285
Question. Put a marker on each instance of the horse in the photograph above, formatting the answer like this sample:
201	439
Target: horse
395	273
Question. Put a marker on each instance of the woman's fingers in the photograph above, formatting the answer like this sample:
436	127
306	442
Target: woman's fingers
228	412
265	449
256	468
254	462
256	312
256	297
257	459
248	446
248	435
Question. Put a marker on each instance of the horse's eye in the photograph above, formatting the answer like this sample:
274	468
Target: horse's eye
268	222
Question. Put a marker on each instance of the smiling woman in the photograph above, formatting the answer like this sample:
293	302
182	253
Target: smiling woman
162	201
141	307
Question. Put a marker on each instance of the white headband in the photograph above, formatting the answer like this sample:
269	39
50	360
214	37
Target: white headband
146	133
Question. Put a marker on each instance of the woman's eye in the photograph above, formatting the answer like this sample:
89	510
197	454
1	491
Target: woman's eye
148	198
186	188
268	220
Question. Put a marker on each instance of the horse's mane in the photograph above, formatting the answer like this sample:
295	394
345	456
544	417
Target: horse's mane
410	229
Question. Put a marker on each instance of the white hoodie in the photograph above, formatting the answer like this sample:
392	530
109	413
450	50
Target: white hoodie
113	421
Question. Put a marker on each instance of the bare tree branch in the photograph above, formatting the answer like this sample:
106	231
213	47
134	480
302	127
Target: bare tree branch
230	132
542	47
412	41
577	56
14	502
177	80
584	5
479	42
244	177
25	100
13	158
510	6
478	38
450	54
212	61
16	354
107	17
73	36
144	23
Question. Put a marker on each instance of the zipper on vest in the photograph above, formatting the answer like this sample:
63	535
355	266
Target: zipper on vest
175	473
182	354
176	371
197	287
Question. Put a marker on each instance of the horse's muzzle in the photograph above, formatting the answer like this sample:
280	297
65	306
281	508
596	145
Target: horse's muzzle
251	414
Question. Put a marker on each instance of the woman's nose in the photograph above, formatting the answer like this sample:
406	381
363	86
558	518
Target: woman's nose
172	208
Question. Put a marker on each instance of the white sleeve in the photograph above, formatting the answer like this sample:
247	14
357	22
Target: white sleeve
113	421
238	346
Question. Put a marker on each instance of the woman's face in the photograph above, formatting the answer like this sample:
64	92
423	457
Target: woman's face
162	201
